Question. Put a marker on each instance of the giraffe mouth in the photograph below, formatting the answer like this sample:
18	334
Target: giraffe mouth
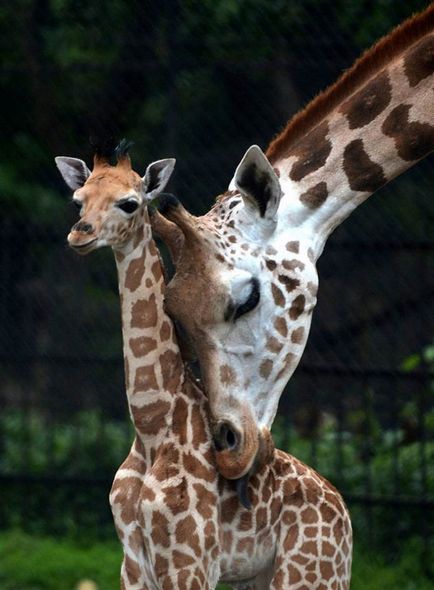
84	248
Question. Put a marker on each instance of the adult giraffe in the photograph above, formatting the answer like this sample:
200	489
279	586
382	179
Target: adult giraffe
180	523
246	279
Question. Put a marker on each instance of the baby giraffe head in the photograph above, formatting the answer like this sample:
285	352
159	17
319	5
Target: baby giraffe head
243	290
111	199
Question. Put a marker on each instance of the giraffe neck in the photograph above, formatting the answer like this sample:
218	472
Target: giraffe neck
153	367
363	132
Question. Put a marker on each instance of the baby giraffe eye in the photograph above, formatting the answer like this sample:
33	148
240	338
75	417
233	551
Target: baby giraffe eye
250	303
128	206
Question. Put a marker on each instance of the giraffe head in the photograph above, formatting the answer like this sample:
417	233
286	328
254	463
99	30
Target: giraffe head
111	199
244	293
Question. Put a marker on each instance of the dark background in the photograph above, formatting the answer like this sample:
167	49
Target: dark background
201	81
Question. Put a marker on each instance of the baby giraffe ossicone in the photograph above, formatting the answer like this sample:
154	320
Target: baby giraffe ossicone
180	523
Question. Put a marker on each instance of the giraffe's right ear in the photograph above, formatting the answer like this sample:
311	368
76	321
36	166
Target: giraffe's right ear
258	183
74	171
156	177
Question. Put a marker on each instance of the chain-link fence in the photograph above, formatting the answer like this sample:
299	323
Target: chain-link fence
201	81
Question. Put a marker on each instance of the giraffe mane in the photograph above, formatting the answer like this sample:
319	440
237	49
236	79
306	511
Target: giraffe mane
371	62
106	150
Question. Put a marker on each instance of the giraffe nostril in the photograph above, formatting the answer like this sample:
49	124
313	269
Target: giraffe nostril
83	227
226	438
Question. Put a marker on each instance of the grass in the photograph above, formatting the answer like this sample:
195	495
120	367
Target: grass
44	563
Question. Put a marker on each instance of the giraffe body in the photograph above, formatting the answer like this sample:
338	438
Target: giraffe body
180	523
258	246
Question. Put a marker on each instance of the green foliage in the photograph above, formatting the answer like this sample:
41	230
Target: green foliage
85	445
43	563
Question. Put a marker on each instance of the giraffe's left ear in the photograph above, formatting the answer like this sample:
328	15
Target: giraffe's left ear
156	177
258	183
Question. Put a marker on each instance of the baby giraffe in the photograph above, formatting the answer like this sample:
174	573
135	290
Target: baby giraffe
181	524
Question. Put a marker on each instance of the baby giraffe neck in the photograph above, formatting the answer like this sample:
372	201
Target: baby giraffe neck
153	367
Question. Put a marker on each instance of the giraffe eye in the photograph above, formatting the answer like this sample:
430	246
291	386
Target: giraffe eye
77	204
251	301
128	206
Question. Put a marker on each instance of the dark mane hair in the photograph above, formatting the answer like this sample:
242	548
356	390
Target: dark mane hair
107	149
371	62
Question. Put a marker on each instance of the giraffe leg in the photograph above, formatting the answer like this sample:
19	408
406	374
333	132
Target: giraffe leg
131	577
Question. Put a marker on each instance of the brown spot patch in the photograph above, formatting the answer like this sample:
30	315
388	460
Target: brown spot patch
142	345
419	62
145	379
227	375
273	344
265	368
270	251
413	140
366	104
297	307
206	500
363	174
315	195
198	426
161	565
289	282
135	272
293	247
245	522
311	151
156	271
261	518
127	373
271	264
133	570
165	331
180	420
144	313
309	516
176	497
297	335
289	359
171	369
186	533
293	264
160	529
281	326
309	547
326	569
151	418
294	575
197	468
278	296
229	509
182	560
291	538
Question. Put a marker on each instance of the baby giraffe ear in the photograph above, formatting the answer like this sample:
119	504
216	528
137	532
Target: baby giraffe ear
258	183
74	171
156	177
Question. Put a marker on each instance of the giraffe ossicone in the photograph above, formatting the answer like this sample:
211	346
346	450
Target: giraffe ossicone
180	523
372	124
